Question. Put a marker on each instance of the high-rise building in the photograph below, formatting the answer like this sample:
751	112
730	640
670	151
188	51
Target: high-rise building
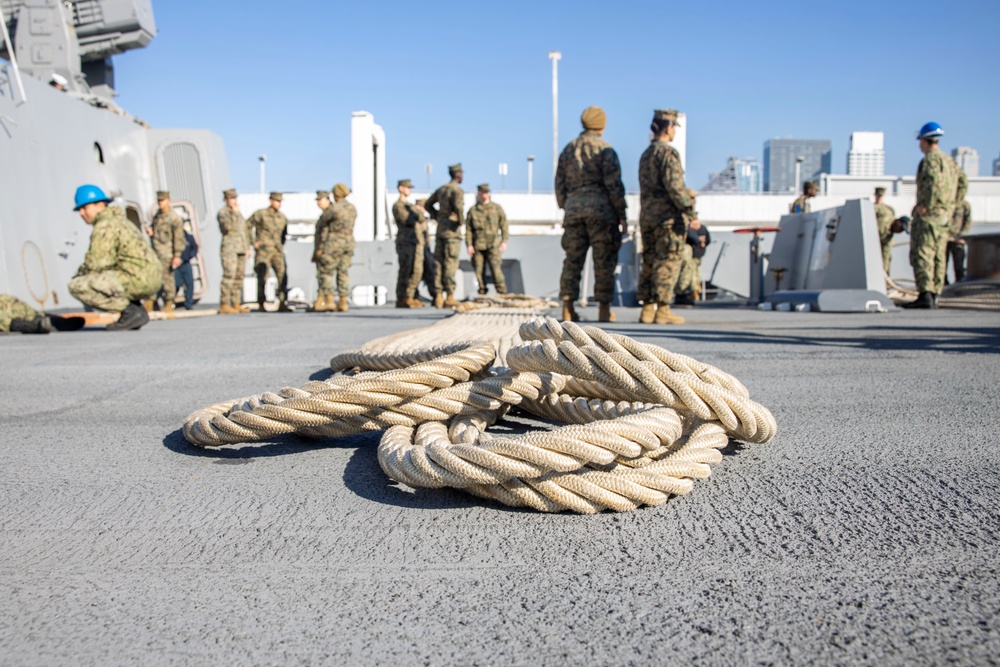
781	155
739	175
867	154
968	159
996	167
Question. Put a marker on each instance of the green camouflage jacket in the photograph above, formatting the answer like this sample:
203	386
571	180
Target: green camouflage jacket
269	228
662	193
117	245
322	233
589	177
483	223
940	186
168	234
884	215
234	230
407	219
451	205
961	220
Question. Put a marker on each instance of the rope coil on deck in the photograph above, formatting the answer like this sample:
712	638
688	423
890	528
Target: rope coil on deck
641	422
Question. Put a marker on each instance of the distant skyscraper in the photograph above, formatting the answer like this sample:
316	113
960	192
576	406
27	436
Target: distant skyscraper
867	154
779	162
968	159
996	167
739	175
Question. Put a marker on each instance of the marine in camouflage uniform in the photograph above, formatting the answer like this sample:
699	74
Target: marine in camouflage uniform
408	218
120	266
234	247
666	207
961	223
450	202
590	191
884	215
801	204
337	249
167	231
424	248
941	184
486	238
269	226
12	308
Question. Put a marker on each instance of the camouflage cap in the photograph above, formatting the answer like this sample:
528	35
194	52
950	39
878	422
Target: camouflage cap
162	194
666	114
229	194
594	118
276	196
455	169
341	190
322	194
879	192
483	187
404	183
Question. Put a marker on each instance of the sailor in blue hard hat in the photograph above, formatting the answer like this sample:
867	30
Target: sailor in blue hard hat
929	130
90	194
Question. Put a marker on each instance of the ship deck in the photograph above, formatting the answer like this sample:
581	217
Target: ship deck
867	532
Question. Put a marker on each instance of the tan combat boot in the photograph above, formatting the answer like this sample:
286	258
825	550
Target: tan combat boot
168	308
414	303
648	313
402	303
149	305
226	309
439	300
664	316
240	308
450	301
319	306
569	314
341	305
604	313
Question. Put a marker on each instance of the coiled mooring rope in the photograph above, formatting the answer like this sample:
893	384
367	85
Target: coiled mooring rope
642	422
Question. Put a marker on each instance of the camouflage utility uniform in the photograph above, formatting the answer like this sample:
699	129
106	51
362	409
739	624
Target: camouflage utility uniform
884	215
940	185
235	243
665	207
120	266
590	191
800	205
448	239
961	223
168	242
269	230
12	308
485	230
409	248
336	248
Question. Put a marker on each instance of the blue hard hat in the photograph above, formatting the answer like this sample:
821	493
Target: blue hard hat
930	130
88	194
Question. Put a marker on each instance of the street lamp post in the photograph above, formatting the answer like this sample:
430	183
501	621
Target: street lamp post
555	56
263	163
798	172
428	168
531	163
503	175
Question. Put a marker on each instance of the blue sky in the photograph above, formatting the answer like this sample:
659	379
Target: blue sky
472	83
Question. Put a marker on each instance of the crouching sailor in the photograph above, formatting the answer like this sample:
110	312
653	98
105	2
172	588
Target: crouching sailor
121	268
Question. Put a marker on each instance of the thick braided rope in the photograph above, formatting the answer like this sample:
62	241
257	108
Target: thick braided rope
645	372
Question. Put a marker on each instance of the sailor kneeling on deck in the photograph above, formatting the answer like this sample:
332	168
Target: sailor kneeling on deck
120	268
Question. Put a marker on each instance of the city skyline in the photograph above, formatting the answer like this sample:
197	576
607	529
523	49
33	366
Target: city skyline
284	88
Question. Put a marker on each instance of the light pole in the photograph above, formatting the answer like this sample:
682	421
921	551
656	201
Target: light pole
263	163
555	56
798	172
531	163
428	168
503	175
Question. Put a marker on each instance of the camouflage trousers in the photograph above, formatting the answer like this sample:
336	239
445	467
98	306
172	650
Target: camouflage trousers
644	288
668	259
429	276
689	279
12	308
600	234
234	266
446	257
887	255
411	268
107	291
274	259
956	253
491	257
928	254
334	262
169	290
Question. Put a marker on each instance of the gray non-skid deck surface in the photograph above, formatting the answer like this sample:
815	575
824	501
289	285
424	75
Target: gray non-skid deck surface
865	533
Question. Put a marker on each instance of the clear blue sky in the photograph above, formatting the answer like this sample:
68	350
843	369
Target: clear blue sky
461	82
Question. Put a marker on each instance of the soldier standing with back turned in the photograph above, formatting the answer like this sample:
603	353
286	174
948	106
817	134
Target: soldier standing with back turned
961	223
884	215
235	243
408	220
450	201
339	248
320	256
589	189
167	231
269	227
666	207
486	238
